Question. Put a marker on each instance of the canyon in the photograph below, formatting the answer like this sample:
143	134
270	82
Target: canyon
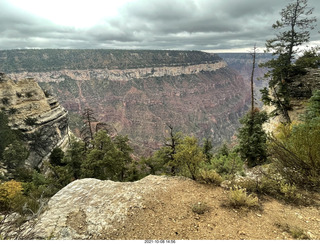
140	93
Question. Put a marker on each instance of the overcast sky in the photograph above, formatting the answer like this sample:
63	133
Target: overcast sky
142	24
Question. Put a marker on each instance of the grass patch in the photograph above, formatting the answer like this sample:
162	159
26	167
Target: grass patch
296	232
239	198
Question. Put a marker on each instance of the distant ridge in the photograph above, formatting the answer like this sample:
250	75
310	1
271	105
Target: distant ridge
40	60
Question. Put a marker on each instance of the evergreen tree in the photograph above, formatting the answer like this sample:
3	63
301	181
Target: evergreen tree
7	135
87	131
124	158
189	157
313	108
252	138
56	157
293	29
75	156
206	149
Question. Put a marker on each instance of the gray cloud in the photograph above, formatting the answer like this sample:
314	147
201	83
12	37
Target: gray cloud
154	24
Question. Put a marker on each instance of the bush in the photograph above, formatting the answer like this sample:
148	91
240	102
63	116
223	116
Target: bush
209	176
295	232
56	157
9	191
189	157
200	208
5	101
297	156
238	197
228	165
30	121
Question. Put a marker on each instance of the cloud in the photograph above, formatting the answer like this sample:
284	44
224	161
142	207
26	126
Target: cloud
152	24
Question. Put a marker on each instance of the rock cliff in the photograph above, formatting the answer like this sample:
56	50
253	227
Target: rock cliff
300	91
39	116
139	92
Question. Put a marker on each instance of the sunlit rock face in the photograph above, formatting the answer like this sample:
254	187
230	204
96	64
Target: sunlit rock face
141	92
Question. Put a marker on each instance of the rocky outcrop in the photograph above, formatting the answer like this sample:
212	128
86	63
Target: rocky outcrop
39	116
89	208
300	90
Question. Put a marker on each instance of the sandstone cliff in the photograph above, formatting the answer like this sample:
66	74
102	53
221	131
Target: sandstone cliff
47	128
139	92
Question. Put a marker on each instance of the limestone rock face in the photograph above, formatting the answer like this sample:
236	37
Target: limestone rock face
87	208
25	100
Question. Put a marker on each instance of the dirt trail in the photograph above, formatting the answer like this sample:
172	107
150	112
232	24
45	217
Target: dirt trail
168	215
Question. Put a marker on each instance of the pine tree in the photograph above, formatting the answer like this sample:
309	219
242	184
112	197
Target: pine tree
252	138
293	29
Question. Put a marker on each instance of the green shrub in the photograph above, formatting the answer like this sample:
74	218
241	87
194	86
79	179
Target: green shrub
5	101
30	121
12	111
189	157
228	165
297	156
251	185
238	197
56	157
209	176
200	208
295	232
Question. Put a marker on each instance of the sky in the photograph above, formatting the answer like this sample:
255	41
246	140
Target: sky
217	25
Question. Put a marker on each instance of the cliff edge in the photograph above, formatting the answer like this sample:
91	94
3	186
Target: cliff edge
160	208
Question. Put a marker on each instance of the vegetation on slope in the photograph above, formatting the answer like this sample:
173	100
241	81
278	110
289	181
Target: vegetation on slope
289	159
41	60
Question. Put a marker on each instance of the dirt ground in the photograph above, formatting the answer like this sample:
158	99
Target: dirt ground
168	215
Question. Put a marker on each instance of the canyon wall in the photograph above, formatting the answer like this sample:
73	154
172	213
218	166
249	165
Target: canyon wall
47	128
141	92
242	62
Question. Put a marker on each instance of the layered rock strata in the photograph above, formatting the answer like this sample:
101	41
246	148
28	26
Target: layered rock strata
140	92
43	121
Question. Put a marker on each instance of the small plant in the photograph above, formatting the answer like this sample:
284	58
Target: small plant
296	232
29	94
12	111
200	208
238	197
209	177
30	121
5	101
290	192
19	95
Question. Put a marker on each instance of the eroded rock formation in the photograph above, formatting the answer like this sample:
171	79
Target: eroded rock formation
39	116
140	92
